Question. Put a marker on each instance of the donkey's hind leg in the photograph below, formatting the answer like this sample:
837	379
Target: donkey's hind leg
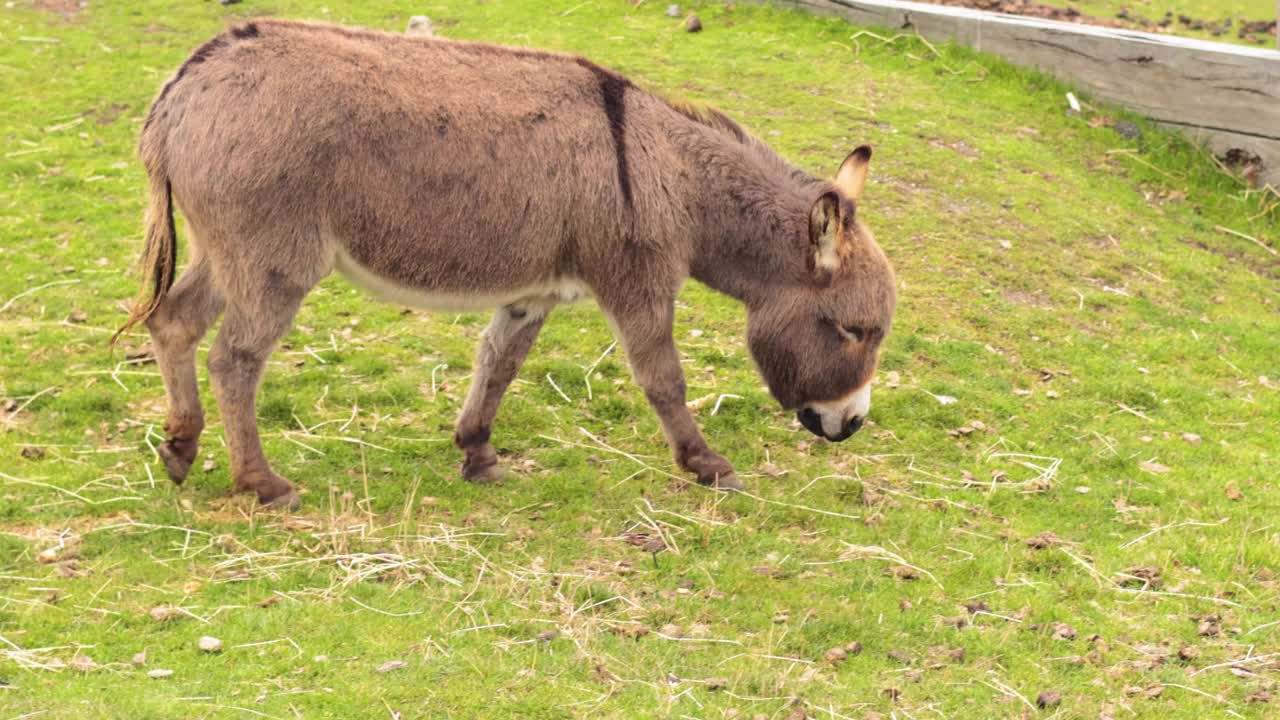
176	326
502	350
260	310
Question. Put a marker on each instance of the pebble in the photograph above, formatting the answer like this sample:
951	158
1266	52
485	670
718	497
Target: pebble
420	25
673	11
210	644
693	24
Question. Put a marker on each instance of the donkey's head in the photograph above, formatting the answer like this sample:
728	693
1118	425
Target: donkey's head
815	341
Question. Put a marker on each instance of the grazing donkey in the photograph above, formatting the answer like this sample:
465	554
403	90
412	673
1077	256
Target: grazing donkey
456	175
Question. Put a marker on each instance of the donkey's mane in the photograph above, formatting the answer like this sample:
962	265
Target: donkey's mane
710	117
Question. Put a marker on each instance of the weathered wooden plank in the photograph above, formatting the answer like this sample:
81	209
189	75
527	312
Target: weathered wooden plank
1224	93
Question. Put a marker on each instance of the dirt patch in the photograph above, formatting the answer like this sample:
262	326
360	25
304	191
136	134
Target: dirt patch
1029	8
68	9
1261	32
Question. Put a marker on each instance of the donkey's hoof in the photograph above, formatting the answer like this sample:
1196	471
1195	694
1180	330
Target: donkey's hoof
178	455
272	490
483	474
289	501
727	482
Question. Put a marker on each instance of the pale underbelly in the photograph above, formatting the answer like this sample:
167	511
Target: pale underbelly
558	290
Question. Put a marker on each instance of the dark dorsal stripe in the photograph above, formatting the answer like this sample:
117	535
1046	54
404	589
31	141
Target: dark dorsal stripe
613	90
202	53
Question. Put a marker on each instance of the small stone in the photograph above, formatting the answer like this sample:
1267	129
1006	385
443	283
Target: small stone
693	24
83	663
1233	492
210	644
50	556
1153	467
836	655
1063	631
208	466
159	673
33	452
164	613
673	11
420	25
671	630
1261	696
547	636
139	659
1191	438
1189	653
77	316
854	648
1048	699
716	683
903	572
901	656
632	630
392	665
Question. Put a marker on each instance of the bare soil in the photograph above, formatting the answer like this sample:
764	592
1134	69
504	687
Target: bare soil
1261	32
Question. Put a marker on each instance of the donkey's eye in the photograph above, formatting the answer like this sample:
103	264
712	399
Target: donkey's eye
855	332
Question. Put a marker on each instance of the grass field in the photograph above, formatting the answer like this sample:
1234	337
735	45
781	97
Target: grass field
1091	523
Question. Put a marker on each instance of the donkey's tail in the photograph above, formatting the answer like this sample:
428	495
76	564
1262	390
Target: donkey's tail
158	263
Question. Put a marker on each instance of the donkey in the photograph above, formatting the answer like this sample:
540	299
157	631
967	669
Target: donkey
465	176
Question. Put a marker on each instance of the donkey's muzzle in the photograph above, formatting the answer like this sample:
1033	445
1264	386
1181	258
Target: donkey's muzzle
812	422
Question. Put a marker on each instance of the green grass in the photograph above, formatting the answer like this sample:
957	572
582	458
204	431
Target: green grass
1067	286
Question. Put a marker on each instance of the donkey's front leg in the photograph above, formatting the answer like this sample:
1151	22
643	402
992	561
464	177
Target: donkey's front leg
655	364
502	350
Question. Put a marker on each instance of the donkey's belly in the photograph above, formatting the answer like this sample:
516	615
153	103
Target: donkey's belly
560	289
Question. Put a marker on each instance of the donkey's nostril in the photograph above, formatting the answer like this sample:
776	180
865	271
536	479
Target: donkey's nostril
811	421
855	424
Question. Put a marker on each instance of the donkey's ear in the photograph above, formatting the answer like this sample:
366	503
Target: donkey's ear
824	231
853	172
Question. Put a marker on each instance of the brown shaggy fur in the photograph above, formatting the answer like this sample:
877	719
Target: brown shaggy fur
454	174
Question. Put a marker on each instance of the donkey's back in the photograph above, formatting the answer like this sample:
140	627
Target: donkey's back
437	172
